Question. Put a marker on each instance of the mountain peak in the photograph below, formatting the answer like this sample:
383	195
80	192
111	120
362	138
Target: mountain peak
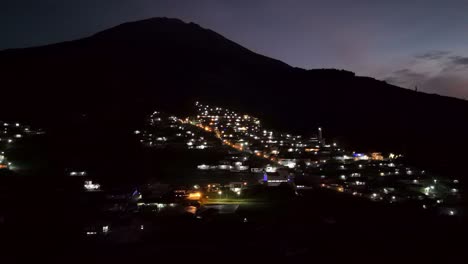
151	25
182	39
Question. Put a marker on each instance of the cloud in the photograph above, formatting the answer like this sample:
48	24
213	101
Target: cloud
456	64
432	55
451	85
407	73
438	72
453	64
406	77
459	61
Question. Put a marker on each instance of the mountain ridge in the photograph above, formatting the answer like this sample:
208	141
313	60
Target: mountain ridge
195	25
119	74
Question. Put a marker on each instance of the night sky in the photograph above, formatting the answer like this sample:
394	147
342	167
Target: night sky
423	43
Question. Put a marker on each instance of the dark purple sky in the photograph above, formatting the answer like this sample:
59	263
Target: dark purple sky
407	43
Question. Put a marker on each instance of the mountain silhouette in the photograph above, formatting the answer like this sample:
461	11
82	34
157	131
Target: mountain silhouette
115	77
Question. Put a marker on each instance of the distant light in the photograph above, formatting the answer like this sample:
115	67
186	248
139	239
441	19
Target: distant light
137	132
451	212
90	186
220	192
427	190
142	227
194	196
105	229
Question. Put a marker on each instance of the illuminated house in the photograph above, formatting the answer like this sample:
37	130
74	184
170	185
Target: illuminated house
256	170
77	173
271	168
237	187
213	187
360	156
290	163
376	156
90	186
273	180
3	163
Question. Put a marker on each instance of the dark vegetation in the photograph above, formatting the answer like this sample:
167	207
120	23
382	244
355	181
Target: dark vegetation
91	93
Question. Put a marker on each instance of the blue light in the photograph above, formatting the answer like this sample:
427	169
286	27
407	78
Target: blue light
265	177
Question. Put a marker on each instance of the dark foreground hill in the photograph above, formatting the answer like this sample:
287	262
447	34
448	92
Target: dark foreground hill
94	91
